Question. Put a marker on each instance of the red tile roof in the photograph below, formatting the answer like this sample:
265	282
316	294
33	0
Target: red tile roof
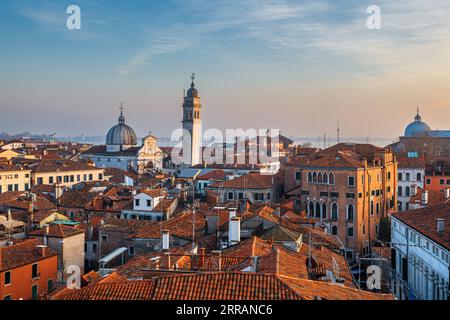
214	175
249	181
57	231
22	253
424	220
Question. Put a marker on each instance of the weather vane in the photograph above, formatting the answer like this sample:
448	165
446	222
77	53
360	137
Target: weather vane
193	77
121	107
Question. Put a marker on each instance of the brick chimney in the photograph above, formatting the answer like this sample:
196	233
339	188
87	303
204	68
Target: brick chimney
216	260
201	258
43	250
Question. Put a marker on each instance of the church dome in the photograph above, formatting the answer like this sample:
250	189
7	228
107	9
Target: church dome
417	128
121	134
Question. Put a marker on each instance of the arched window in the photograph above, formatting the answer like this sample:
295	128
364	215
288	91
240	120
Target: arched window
399	205
331	178
400	176
400	191
334	230
408	176
334	211
319	177
325	177
419	176
310	177
407	191
314	177
317	210
311	209
350	212
324	211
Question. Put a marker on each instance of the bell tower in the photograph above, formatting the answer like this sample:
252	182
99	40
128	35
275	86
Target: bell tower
192	124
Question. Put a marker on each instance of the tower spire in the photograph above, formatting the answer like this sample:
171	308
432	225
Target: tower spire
418	117
121	118
193	78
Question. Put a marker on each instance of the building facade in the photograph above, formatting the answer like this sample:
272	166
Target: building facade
13	178
420	253
346	188
411	175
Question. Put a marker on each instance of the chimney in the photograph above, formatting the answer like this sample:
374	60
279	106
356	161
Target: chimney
447	193
424	197
169	266
46	232
232	212
216	260
234	231
201	258
413	189
440	225
42	249
165	240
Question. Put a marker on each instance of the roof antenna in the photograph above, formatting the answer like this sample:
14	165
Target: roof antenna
338	131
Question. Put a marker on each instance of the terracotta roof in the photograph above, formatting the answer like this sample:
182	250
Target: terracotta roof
101	150
249	181
75	199
405	162
434	197
214	175
220	286
424	220
60	165
154	193
129	226
21	254
57	231
179	226
117	175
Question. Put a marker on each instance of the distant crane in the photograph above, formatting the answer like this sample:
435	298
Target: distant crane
48	135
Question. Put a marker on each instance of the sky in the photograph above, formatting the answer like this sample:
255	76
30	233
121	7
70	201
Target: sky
294	65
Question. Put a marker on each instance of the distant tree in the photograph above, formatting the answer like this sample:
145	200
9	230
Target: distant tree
384	230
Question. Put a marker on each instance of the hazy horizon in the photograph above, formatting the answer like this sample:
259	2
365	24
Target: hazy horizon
293	65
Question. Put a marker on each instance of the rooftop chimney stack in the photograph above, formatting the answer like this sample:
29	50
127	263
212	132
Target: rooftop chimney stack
165	240
232	212
216	260
234	231
440	225
424	197
413	190
447	193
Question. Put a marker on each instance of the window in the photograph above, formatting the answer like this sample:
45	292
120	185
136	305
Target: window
27	187
91	177
298	175
419	176
331	178
230	196
49	285
400	176
334	194
136	202
371	207
441	182
400	191
34	291
319	177
351	181
311	209
350	212
104	237
240	195
408	176
305	192
78	177
8	297
350	231
34	271
314	177
407	191
100	176
325	177
72	178
334	211
323	194
378	208
7	278
309	177
317	210
66	178
94	248
350	195
50	180
85	247
334	230
324	211
131	250
59	179
149	203
389	176
40	181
